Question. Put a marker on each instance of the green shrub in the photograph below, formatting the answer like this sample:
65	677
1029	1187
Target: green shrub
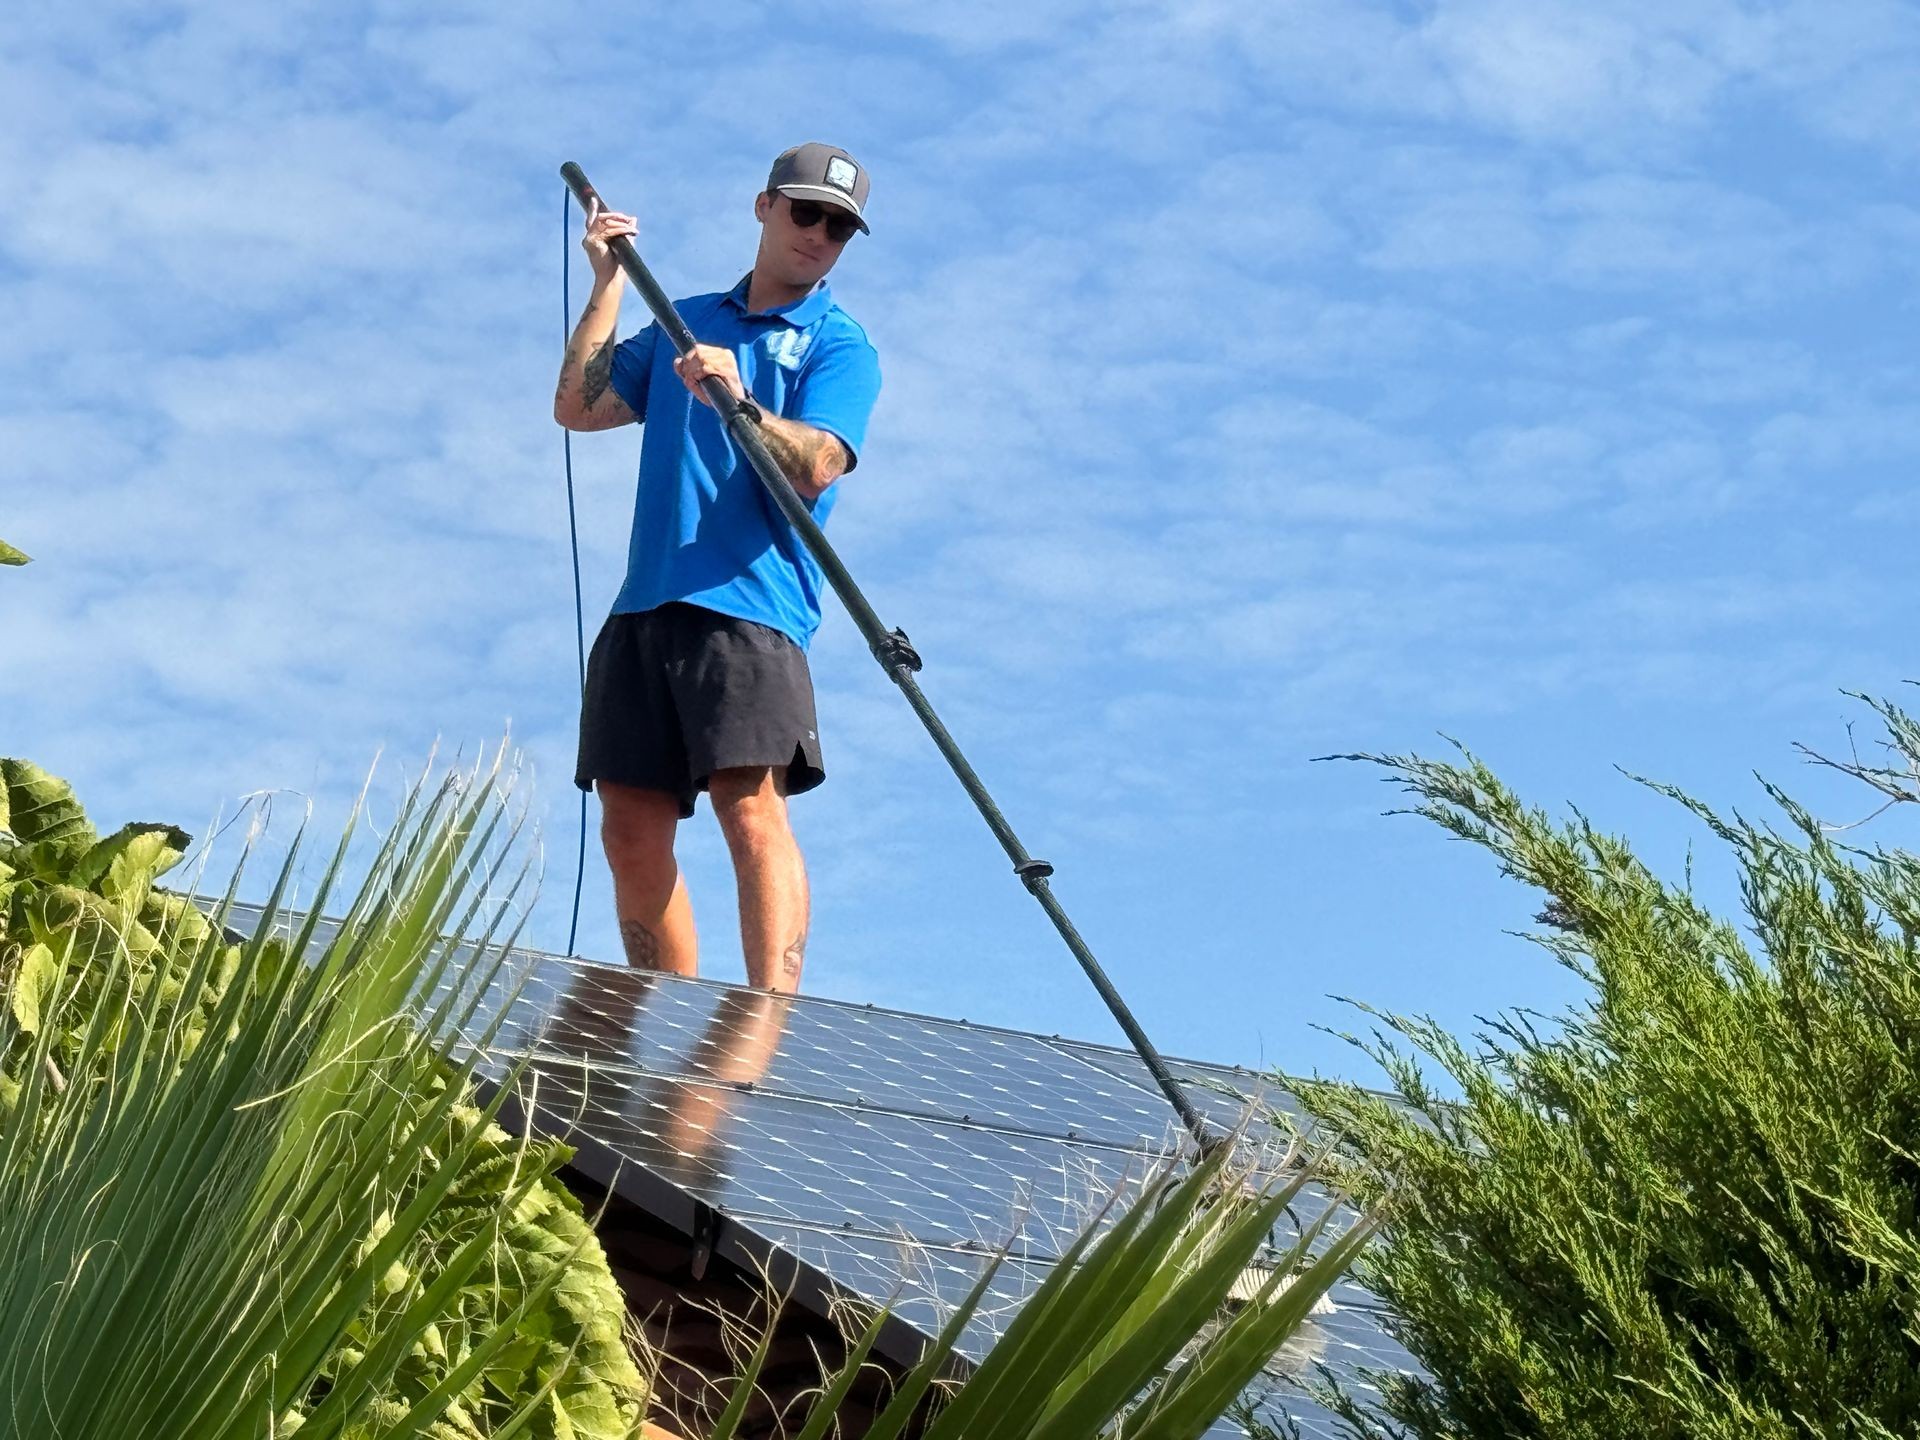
1686	1207
240	1193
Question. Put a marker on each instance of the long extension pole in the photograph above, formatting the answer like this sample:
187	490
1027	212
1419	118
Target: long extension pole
891	649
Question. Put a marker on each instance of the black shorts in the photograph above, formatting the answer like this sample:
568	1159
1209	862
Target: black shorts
676	693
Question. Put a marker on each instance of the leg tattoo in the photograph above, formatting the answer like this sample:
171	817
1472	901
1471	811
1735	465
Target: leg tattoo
642	945
794	955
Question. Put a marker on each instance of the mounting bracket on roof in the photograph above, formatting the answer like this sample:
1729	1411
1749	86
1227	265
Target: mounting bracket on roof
706	1234
890	648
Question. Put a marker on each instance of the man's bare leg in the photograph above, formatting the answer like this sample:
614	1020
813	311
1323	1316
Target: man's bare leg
656	918
752	808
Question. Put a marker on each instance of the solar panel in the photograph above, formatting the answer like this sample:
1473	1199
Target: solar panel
856	1151
846	1054
765	1154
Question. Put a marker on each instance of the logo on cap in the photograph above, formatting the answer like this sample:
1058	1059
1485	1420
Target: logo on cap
841	173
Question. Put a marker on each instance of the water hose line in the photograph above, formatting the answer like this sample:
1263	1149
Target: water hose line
573	539
892	650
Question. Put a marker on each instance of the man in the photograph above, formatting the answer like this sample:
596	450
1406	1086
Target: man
699	681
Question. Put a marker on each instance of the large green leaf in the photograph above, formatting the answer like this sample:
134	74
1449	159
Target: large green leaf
125	864
33	986
80	923
11	556
40	810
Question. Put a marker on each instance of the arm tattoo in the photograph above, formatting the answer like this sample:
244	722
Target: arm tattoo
642	945
795	956
597	374
812	459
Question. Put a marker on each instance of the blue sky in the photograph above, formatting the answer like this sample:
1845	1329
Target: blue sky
1260	381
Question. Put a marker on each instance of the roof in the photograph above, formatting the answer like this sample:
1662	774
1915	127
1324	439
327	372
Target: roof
849	1150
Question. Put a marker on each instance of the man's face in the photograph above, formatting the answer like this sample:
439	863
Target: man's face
800	254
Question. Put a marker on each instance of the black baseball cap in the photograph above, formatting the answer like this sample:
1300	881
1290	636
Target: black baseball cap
822	172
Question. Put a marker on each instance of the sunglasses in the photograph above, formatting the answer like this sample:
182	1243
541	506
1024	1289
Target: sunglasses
809	213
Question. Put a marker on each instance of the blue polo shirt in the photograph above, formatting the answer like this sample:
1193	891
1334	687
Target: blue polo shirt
704	528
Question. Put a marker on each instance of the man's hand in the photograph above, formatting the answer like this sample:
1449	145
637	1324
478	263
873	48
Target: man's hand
603	226
715	360
811	459
583	399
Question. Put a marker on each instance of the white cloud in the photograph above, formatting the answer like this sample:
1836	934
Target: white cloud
1558	70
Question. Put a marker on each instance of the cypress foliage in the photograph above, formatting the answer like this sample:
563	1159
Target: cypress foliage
1686	1207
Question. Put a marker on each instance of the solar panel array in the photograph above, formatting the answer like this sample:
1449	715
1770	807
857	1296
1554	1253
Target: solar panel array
869	1152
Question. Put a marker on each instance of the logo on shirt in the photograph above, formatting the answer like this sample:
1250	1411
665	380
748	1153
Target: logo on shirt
787	348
